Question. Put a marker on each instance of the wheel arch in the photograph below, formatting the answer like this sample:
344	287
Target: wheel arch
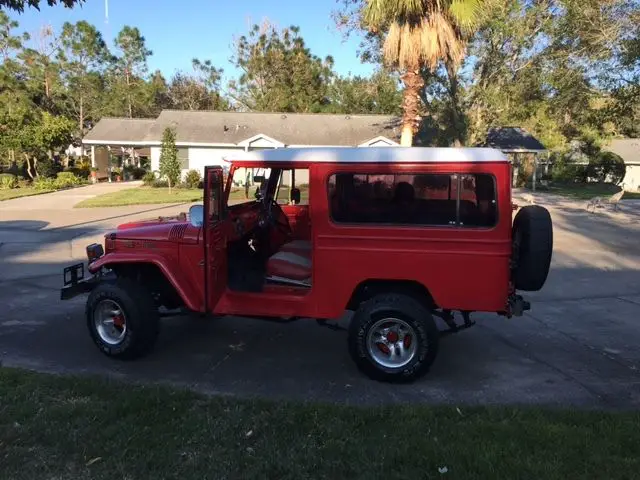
148	268
372	287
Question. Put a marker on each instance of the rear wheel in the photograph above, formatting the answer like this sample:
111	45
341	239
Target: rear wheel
393	338
122	319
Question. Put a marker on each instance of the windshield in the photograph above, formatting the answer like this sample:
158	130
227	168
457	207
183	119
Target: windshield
249	183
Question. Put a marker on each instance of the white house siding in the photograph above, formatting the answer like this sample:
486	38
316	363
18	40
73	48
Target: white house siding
202	157
199	157
155	158
632	178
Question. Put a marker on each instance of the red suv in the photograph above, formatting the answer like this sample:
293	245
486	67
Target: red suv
396	235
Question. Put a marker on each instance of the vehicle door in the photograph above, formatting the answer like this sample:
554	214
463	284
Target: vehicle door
214	237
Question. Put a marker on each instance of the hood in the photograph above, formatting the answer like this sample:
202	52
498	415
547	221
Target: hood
180	218
163	229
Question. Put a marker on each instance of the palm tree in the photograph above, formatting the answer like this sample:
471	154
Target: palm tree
420	33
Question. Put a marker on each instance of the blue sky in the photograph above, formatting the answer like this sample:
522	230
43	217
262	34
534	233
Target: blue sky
178	30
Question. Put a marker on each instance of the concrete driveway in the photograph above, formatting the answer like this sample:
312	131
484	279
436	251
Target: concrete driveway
580	345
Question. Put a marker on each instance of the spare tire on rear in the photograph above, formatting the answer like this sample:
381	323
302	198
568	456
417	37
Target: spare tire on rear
532	247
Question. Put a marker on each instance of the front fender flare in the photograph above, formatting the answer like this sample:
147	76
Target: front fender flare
191	297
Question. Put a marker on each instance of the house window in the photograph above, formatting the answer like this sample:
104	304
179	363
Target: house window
413	199
183	158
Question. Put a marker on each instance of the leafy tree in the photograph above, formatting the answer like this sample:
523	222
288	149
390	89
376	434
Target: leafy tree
199	90
83	57
169	164
378	94
419	34
43	137
10	43
19	5
279	73
130	70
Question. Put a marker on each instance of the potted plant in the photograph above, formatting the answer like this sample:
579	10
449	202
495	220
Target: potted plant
94	174
117	174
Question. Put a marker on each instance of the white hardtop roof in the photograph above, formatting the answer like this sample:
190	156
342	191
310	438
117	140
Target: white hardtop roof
370	155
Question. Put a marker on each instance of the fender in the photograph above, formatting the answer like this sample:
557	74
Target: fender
191	297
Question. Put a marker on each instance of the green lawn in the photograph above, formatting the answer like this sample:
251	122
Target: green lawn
585	191
149	195
79	428
143	195
8	194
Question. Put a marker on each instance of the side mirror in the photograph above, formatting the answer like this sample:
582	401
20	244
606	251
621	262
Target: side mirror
295	196
196	215
258	178
257	193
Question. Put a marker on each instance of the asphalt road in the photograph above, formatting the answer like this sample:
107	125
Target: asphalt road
579	345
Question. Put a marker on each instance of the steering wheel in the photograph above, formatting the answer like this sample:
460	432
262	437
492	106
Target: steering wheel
275	216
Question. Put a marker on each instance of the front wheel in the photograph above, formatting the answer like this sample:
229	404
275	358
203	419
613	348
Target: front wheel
393	338
122	319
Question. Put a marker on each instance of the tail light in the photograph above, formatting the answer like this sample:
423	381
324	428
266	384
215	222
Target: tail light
94	252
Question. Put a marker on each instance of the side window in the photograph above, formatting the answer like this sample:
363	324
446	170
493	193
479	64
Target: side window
405	199
478	205
412	199
183	157
296	182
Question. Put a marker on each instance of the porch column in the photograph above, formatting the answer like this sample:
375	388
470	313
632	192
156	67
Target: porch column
535	170
93	156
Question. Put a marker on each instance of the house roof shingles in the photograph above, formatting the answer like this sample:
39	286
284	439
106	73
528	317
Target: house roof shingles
514	139
627	148
120	129
209	127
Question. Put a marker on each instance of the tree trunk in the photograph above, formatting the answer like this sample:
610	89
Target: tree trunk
81	124
411	119
129	95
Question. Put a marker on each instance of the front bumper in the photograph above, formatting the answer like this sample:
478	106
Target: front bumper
74	282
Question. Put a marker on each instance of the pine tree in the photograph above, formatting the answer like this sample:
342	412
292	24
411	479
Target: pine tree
169	163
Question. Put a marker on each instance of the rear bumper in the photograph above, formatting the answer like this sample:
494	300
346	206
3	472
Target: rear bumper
74	282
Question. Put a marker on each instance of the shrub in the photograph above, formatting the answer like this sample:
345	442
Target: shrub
67	179
138	173
149	179
160	183
7	181
566	171
81	169
23	182
192	179
44	183
47	168
607	166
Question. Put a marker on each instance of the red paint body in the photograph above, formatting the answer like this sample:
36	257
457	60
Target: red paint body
463	268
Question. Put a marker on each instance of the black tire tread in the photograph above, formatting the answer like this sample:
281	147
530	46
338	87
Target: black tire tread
536	250
141	311
408	307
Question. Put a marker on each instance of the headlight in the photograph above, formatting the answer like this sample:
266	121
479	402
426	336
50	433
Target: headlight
94	252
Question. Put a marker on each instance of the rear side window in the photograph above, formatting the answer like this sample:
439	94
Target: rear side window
413	199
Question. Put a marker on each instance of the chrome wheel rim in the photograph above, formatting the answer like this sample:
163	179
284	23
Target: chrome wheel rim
110	322
392	342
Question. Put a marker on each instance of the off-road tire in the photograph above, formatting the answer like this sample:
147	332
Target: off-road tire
412	312
141	313
533	247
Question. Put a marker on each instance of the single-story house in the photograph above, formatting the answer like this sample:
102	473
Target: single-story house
520	146
629	150
206	137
